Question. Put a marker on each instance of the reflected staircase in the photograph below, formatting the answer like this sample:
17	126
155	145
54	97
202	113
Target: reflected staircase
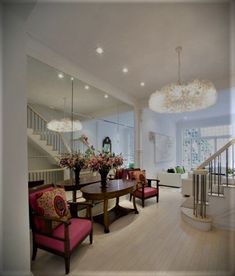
53	143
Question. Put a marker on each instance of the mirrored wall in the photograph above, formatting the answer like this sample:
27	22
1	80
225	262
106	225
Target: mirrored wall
101	115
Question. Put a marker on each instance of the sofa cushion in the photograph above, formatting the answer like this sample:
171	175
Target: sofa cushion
171	170
78	229
179	169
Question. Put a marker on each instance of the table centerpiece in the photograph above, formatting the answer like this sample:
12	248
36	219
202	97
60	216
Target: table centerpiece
103	163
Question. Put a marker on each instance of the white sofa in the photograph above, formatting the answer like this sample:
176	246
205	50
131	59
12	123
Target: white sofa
171	179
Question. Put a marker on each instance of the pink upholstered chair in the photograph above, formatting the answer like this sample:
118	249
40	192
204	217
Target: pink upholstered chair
144	190
55	227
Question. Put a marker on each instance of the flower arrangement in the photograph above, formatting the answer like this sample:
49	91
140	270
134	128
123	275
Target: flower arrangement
73	160
104	161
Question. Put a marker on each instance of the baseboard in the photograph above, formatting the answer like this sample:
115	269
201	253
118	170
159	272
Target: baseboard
16	273
169	186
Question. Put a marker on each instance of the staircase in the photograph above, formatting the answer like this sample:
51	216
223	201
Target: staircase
213	199
53	143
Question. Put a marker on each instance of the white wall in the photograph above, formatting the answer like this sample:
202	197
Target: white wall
1	141
39	159
161	124
15	220
121	136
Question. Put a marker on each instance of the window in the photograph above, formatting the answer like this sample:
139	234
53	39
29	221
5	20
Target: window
201	143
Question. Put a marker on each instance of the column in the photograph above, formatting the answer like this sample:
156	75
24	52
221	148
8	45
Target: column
138	143
15	243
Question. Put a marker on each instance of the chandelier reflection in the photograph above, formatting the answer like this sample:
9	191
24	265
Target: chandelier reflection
65	124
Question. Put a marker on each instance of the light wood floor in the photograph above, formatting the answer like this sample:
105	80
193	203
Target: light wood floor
154	242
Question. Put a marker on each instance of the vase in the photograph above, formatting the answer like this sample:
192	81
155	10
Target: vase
77	170
103	175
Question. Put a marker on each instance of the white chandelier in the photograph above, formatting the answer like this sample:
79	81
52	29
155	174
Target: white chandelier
66	124
179	97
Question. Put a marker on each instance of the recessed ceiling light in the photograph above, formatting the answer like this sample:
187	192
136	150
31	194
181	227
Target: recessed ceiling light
106	96
125	70
87	87
142	83
72	78
60	76
99	50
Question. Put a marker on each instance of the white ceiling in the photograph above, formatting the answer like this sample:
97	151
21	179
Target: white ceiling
141	36
45	88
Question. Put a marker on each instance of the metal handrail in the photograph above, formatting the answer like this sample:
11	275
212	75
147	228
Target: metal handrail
212	157
38	123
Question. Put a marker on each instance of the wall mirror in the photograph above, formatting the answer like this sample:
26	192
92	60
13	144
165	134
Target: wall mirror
100	114
107	145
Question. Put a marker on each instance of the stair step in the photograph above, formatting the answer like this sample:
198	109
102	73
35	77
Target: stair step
203	224
216	195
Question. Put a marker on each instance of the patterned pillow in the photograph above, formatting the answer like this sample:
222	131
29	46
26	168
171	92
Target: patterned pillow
53	204
139	176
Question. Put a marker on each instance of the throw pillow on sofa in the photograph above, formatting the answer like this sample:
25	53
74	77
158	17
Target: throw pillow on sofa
171	170
179	169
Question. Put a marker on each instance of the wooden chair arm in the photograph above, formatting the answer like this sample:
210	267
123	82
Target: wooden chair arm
149	180
74	208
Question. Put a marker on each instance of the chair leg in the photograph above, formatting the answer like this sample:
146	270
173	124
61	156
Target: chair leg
157	198
130	196
91	237
34	252
67	264
143	202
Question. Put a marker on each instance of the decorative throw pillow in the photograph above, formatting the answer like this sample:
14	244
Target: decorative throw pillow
139	176
179	169
53	204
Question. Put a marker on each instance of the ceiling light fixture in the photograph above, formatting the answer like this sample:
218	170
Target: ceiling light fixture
106	96
179	97
87	87
66	124
125	70
99	50
142	84
60	76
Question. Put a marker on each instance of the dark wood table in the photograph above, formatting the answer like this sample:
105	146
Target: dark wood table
84	181
115	189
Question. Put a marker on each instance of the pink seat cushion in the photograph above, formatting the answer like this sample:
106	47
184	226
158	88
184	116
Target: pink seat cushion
148	191
78	230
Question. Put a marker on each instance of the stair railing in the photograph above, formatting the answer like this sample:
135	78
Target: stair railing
48	175
222	159
200	193
36	122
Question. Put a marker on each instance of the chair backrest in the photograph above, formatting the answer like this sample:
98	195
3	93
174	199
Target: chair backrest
36	223
35	183
139	176
48	201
